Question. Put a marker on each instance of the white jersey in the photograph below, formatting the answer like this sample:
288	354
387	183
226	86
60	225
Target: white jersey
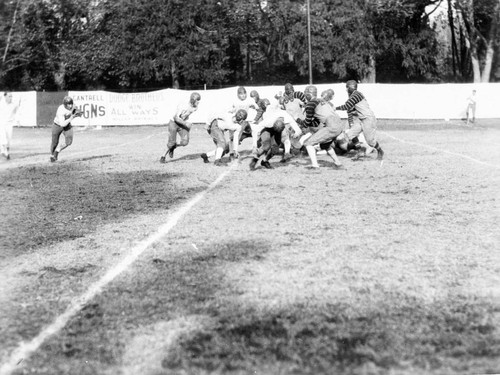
184	110
295	109
271	116
248	105
225	122
8	113
62	115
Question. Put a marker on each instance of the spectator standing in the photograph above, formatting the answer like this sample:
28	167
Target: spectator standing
471	107
8	111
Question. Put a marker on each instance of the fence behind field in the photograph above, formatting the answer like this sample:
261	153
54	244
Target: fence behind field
388	101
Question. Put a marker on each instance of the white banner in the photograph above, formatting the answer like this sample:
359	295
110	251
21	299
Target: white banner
26	113
388	101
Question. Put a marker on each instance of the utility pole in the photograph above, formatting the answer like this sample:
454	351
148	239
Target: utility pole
309	41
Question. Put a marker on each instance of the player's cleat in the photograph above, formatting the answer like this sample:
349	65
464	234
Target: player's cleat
266	164
56	154
369	149
52	158
220	163
162	160
171	152
380	155
359	155
314	167
205	158
285	158
253	163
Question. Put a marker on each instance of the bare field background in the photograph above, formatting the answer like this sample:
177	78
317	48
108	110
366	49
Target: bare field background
375	269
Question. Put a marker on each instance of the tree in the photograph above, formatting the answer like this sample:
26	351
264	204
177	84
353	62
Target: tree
145	44
479	22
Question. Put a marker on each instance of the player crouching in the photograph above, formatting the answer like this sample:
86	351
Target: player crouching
216	128
271	133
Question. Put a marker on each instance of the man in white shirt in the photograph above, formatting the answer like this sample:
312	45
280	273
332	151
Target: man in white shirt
8	111
471	107
66	112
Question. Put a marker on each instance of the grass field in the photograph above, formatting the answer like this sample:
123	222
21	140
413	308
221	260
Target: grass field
112	263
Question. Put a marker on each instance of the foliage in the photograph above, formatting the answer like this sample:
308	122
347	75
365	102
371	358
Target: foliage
140	44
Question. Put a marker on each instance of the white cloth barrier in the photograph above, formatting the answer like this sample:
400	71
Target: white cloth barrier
26	113
388	101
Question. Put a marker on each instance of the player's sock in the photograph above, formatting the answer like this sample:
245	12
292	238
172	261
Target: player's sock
218	153
380	152
311	151
334	157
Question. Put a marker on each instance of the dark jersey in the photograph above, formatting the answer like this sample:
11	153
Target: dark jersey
356	105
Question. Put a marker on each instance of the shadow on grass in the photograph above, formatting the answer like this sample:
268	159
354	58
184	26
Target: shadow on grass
399	332
53	203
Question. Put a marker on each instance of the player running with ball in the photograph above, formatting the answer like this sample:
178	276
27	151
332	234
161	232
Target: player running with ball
180	125
357	107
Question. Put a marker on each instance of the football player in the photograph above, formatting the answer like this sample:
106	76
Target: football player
62	124
330	127
357	106
216	127
180	125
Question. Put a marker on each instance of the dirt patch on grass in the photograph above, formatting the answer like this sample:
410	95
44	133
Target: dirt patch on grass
49	204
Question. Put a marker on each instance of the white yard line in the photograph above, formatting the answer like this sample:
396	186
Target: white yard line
25	349
441	150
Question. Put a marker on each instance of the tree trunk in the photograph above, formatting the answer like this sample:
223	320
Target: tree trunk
454	50
175	77
490	49
10	32
476	69
471	38
488	62
371	74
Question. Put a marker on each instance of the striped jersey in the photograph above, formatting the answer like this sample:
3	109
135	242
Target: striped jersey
357	105
261	108
310	111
